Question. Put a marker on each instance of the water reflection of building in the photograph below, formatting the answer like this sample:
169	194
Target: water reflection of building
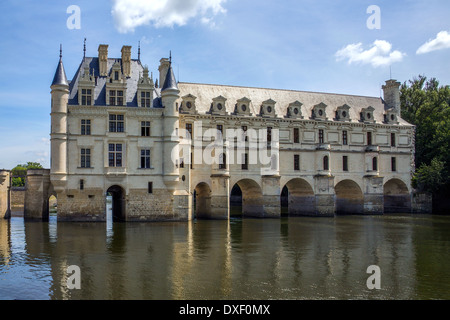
292	258
5	243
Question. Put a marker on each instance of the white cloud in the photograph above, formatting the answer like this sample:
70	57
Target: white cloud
129	14
380	54
442	41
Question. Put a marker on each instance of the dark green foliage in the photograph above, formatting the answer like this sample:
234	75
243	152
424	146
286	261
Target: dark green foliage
426	104
20	171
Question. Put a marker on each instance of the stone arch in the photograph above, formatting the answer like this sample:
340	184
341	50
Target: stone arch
118	203
251	195
397	198
300	197
202	201
349	198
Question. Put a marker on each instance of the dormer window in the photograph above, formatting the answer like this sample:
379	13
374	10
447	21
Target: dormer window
86	86
294	110
218	106
116	97
390	116
343	113
145	99
145	90
188	104
116	87
318	112
367	114
243	106
86	97
268	108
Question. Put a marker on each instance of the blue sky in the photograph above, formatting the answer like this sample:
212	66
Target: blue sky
311	45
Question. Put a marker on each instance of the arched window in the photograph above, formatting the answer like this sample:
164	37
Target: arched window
326	163
374	164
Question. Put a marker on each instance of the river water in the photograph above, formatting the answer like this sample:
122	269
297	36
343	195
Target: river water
239	259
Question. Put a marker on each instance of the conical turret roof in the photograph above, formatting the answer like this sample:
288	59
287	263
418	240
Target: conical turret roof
170	82
60	74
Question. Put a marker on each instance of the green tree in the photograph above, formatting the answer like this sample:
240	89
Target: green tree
20	171
426	104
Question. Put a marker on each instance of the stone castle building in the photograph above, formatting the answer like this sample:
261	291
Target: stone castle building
115	130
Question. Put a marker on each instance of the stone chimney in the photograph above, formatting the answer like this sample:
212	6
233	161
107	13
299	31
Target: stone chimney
126	61
103	59
391	94
163	68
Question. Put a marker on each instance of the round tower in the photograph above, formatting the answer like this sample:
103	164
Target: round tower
58	136
169	96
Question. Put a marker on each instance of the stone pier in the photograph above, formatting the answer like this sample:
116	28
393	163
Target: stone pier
36	196
5	194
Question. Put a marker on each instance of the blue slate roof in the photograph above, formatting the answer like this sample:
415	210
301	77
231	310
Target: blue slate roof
100	88
60	75
170	82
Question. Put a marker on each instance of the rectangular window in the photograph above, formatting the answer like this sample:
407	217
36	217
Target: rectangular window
116	123
269	134
345	163
115	155
244	133
145	99
145	158
369	138
116	97
296	135
222	161
116	75
321	136
85	158
393	164
85	127
326	163
219	128
86	95
245	162
150	187
296	162
344	138
393	139
145	128
81	184
189	129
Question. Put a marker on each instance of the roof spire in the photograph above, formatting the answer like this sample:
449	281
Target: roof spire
84	49
170	56
60	75
170	82
139	50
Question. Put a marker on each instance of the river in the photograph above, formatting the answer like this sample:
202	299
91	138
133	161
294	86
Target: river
239	259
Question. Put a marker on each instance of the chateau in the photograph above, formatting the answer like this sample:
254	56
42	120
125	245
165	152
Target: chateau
116	130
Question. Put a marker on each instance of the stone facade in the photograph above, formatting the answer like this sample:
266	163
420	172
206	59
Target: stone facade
115	131
5	200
